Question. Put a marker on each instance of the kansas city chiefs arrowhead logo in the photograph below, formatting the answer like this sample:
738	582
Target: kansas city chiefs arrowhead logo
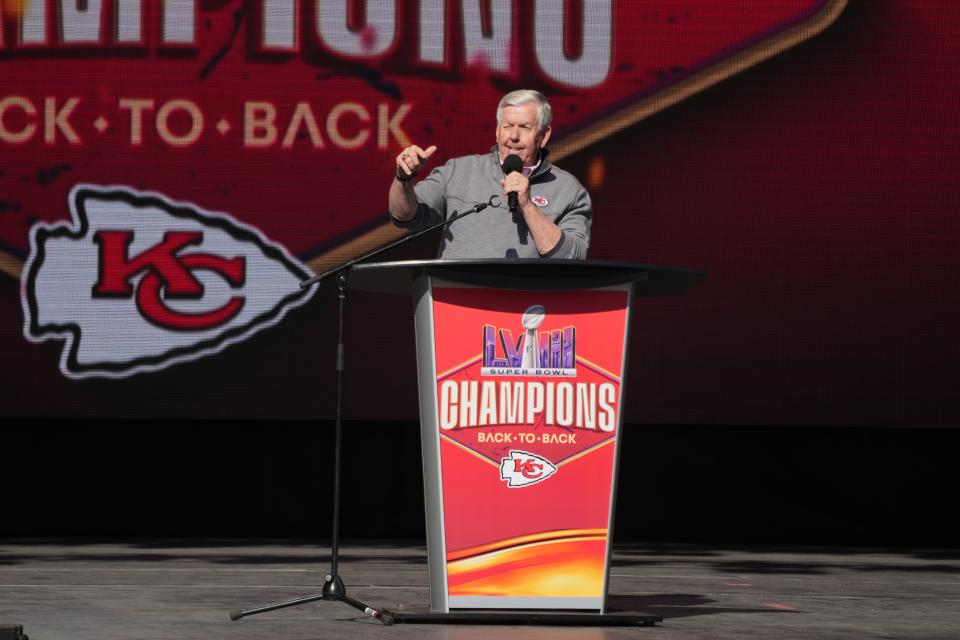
138	282
521	469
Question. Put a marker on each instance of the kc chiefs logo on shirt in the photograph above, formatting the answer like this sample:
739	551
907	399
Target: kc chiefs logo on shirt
139	282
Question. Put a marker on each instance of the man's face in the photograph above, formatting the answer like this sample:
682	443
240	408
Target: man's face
519	133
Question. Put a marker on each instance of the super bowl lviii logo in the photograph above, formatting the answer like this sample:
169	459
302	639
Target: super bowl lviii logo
536	353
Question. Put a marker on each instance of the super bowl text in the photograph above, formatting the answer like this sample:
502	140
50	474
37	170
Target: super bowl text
540	354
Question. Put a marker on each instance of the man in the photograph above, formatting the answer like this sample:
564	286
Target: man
554	211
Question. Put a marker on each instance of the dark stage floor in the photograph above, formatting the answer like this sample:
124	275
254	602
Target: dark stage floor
185	589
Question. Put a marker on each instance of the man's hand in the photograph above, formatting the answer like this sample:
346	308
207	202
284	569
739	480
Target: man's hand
411	160
546	234
517	183
403	199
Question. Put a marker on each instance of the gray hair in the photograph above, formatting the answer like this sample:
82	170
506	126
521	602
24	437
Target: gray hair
523	96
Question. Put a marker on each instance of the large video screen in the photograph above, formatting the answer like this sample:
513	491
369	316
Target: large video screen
171	170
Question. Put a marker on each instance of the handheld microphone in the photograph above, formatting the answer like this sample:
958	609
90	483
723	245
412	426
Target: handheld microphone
510	164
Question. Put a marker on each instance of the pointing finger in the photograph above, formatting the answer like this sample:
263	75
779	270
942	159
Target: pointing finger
418	151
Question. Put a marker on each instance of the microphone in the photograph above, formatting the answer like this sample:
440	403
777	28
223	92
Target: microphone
510	164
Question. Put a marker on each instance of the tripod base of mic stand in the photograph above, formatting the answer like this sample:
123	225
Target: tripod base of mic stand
539	618
333	590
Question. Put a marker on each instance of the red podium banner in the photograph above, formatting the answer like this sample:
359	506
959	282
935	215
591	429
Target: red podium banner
528	411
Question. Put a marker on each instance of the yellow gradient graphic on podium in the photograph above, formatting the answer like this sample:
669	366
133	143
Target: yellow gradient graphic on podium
555	563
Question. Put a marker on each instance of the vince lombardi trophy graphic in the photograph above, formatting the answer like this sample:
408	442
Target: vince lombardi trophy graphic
532	318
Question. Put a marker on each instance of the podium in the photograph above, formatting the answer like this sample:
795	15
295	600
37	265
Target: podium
521	368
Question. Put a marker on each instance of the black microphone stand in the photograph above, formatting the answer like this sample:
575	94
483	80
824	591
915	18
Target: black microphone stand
333	587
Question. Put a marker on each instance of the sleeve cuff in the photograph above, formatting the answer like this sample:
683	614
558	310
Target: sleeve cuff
561	249
407	224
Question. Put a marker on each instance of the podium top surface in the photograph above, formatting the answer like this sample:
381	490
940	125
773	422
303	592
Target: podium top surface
525	275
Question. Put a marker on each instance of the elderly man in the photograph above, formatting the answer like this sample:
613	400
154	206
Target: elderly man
553	213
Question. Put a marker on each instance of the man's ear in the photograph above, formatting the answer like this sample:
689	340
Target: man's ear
546	136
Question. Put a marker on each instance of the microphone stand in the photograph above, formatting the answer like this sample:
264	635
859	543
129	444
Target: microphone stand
396	243
333	587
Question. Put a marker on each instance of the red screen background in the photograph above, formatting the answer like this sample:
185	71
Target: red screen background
818	188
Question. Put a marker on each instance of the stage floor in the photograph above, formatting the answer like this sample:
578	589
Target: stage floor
185	589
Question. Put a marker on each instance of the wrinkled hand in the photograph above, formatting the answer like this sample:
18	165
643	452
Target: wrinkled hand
517	183
412	159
